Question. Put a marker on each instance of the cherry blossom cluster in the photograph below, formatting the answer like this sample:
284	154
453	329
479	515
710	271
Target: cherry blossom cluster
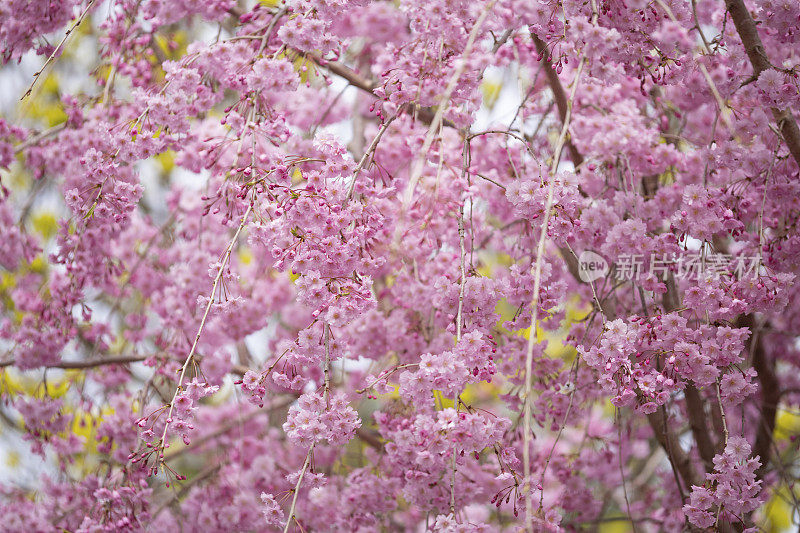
315	418
314	265
644	361
732	487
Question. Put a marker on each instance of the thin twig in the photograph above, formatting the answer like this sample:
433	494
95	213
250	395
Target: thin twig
419	160
58	48
459	313
36	139
225	258
370	150
297	488
621	470
722	414
537	273
200	441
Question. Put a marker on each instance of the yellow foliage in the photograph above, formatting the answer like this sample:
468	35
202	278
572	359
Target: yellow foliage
45	103
480	392
83	424
506	312
58	388
246	256
7	281
16	384
11	383
12	459
618	526
166	160
504	260
778	511
118	344
393	395
297	176
304	68
609	409
786	424
38	265
45	224
442	400
179	38
491	92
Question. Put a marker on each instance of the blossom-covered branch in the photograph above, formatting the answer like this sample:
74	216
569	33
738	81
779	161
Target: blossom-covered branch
316	265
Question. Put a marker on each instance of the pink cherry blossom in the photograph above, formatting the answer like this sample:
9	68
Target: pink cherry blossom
328	265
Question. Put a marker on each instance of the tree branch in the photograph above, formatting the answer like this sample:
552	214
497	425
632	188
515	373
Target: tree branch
748	33
77	365
695	409
119	360
559	95
358	81
369	438
770	393
200	441
680	460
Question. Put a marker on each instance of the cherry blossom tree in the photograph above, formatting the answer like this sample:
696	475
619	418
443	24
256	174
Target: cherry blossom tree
328	265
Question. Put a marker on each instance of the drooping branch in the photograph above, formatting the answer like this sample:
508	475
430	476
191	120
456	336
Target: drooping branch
537	270
58	49
225	258
419	159
680	461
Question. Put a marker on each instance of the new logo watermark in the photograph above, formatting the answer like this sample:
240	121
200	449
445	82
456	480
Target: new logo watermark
692	265
591	266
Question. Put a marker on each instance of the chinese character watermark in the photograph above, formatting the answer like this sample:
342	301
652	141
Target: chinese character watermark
692	265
